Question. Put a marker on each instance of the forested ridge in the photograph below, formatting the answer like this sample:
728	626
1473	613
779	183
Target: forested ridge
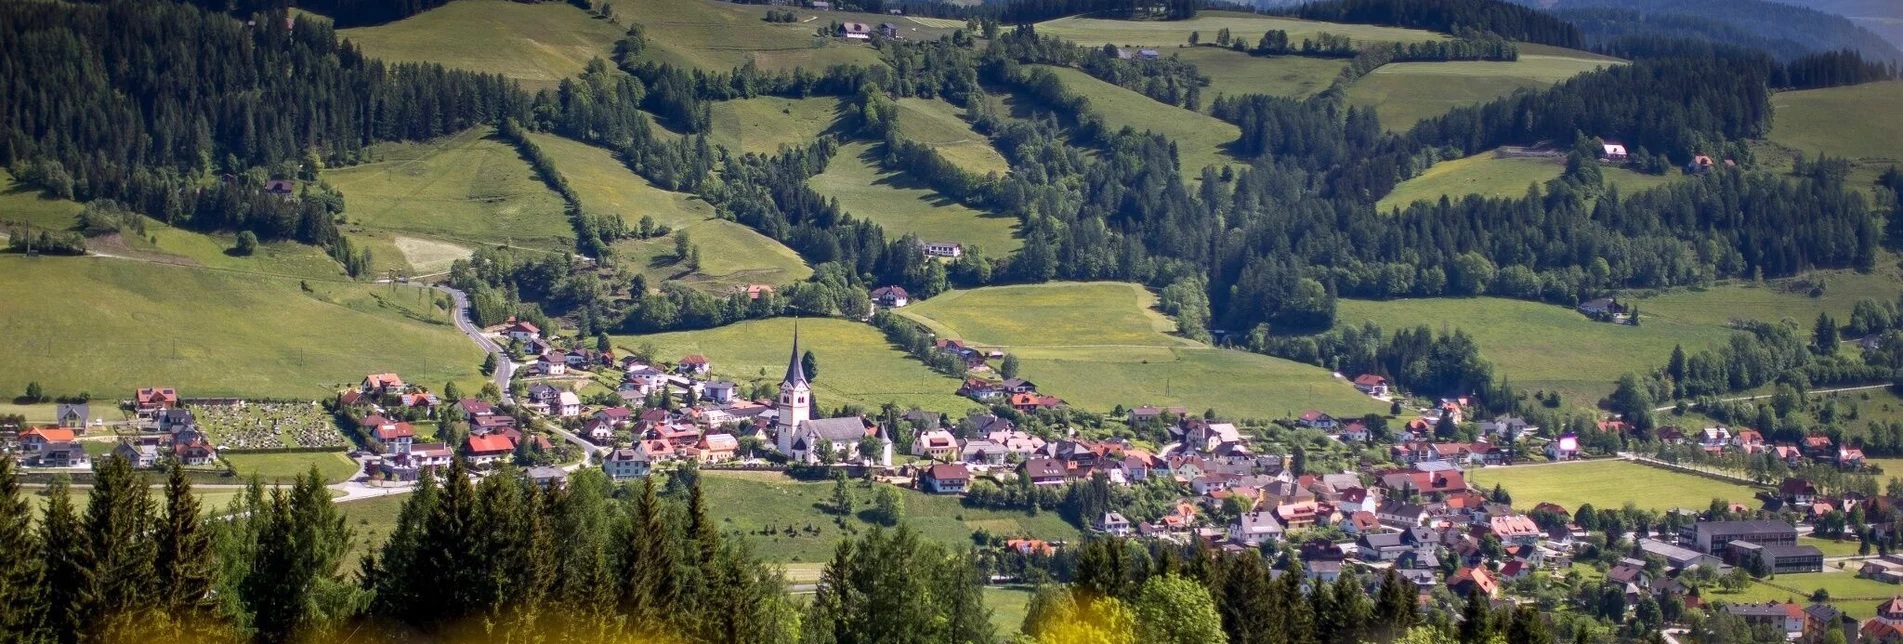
1782	29
1507	20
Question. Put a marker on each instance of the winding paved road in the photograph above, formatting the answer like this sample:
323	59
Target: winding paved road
505	369
1814	392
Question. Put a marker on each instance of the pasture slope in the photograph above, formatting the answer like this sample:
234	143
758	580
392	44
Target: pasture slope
1201	140
538	44
942	126
902	204
1099	345
1403	94
1488	175
1235	73
761	125
1157	33
731	254
719	36
470	187
856	364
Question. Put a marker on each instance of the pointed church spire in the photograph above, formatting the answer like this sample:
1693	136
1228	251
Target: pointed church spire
795	372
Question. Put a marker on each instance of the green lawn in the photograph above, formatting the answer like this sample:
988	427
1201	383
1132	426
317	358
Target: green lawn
1851	594
1235	73
109	326
1545	346
1158	33
470	187
1777	299
1831	547
370	522
1487	175
1099	345
1008	605
286	467
1842	121
748	502
856	363
20	203
902	204
1201	140
538	44
763	124
211	501
1607	484
719	36
942	126
1405	93
731	253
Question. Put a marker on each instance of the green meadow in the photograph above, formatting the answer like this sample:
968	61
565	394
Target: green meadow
290	466
1158	33
1841	121
110	325
903	204
731	253
23	204
720	36
1201	139
761	125
1235	73
856	363
1487	175
538	44
470	187
1607	484
1099	345
942	126
1405	93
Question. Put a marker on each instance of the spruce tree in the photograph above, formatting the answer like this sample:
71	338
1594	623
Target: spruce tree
120	551
186	567
19	556
1475	627
450	566
67	577
651	583
393	579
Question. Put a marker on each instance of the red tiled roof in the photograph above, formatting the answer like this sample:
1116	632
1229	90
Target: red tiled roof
490	444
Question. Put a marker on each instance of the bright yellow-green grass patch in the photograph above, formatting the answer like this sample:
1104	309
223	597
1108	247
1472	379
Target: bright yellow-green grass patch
1235	73
1849	593
290	466
1248	26
46	413
1009	605
536	43
370	521
942	126
21	203
744	503
1488	175
720	36
731	254
761	125
212	501
1201	139
856	363
428	256
1858	121
1099	345
1544	347
1831	547
110	325
213	250
902	204
1775	300
1405	93
1607	484
470	187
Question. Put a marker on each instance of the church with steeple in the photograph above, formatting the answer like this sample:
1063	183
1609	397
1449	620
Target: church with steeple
801	437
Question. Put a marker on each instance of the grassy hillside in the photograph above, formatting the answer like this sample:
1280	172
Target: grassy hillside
1490	176
856	364
470	187
23	204
1099	345
1235	73
1157	33
1608	484
942	126
747	502
1842	121
720	36
1778	299
1405	93
1545	346
764	124
903	204
538	44
1201	139
731	254
110	325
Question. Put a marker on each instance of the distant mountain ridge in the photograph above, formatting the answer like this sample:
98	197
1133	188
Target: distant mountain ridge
1884	17
1776	26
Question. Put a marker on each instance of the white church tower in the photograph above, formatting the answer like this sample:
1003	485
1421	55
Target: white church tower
796	398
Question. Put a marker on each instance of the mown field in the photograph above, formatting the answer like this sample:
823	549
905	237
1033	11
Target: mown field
109	326
288	467
902	204
750	502
1849	593
370	521
538	44
1842	121
1607	484
470	187
1405	93
720	36
942	125
25	205
731	253
761	125
1099	345
1008	605
1544	346
1489	176
856	364
1158	33
1201	140
1235	73
1778	299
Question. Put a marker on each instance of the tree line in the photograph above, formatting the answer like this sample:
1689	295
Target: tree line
1509	21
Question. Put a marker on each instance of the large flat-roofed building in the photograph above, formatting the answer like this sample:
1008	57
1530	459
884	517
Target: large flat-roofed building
1710	537
1777	559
